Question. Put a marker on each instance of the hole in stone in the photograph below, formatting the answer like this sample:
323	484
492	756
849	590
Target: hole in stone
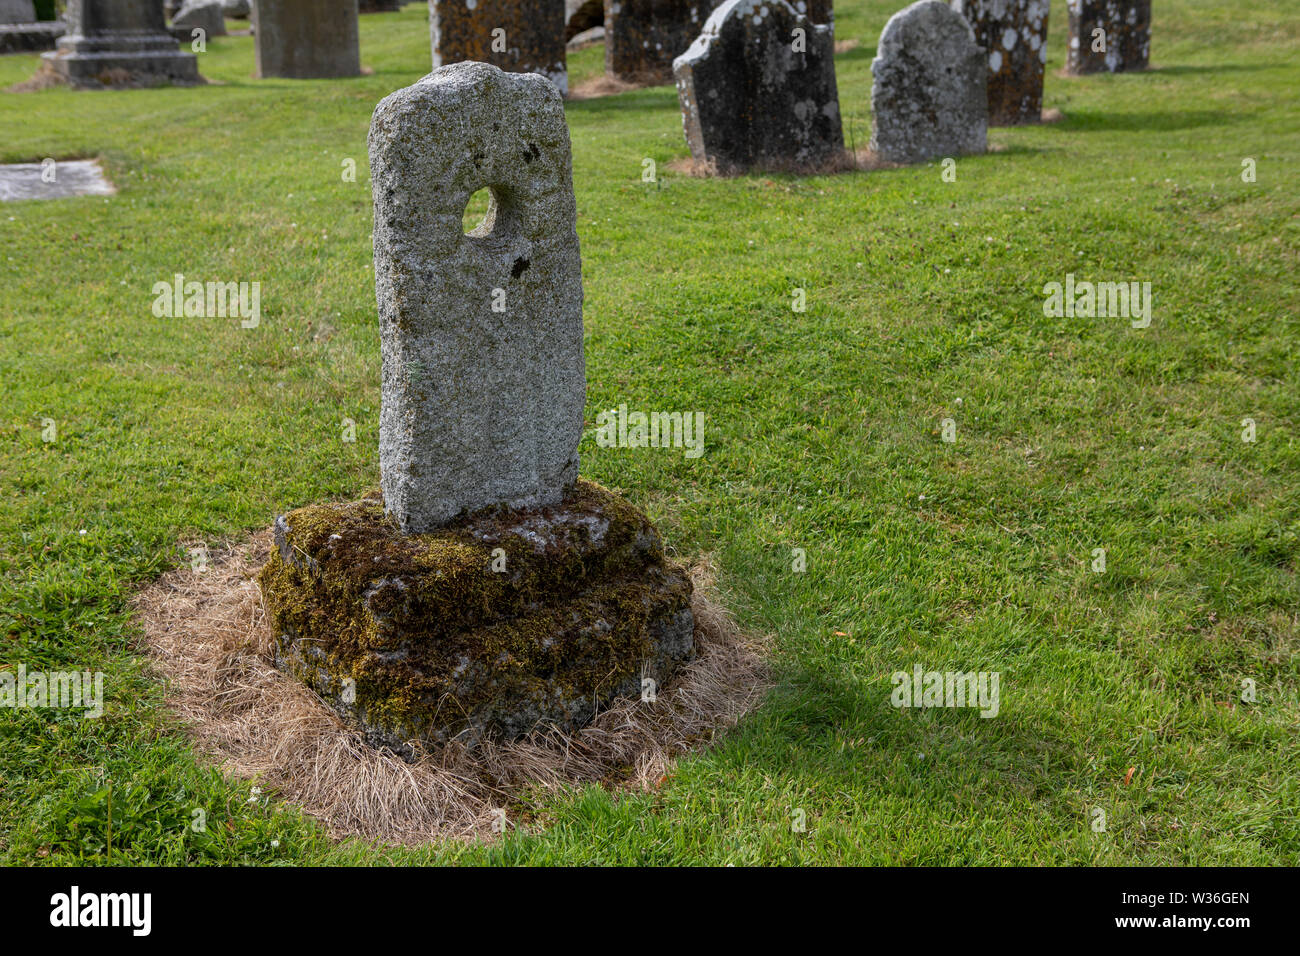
475	221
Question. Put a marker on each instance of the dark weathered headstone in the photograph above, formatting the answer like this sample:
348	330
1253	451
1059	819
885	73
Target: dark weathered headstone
519	36
581	16
119	43
379	6
929	96
237	9
757	89
1108	36
490	591
307	39
1013	33
818	11
643	37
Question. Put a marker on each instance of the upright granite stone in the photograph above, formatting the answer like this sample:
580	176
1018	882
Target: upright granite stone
1123	44
237	9
929	96
643	37
520	36
119	43
484	381
755	93
379	6
17	11
205	15
1014	35
307	39
514	596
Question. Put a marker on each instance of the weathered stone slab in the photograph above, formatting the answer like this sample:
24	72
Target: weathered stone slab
71	177
757	89
205	15
643	37
519	36
484	379
307	39
119	43
17	11
1014	35
929	97
237	9
30	37
489	626
1125	40
379	6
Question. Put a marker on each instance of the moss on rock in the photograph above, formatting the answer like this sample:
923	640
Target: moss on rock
493	624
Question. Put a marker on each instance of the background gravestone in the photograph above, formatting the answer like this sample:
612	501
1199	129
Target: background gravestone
748	99
643	37
818	11
581	16
17	11
205	15
119	43
1127	26
307	39
929	95
513	594
1014	35
533	38
379	6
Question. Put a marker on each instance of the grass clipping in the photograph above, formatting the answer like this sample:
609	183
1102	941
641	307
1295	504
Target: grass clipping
208	636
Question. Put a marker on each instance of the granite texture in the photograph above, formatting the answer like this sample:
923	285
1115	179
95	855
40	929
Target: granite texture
484	379
929	96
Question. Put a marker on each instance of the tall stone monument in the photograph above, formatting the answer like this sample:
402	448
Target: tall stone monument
929	95
520	36
307	39
1108	36
643	37
757	89
119	43
487	590
1014	36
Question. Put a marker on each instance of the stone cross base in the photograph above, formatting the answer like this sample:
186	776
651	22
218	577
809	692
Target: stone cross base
494	625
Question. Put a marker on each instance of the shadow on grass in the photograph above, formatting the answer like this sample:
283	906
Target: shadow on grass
1080	120
839	733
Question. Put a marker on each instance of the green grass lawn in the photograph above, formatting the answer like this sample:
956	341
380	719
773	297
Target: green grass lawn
925	303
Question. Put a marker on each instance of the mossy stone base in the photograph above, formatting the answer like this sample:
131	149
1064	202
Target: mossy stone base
491	625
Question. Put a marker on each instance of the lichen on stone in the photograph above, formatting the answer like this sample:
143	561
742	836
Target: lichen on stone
491	625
